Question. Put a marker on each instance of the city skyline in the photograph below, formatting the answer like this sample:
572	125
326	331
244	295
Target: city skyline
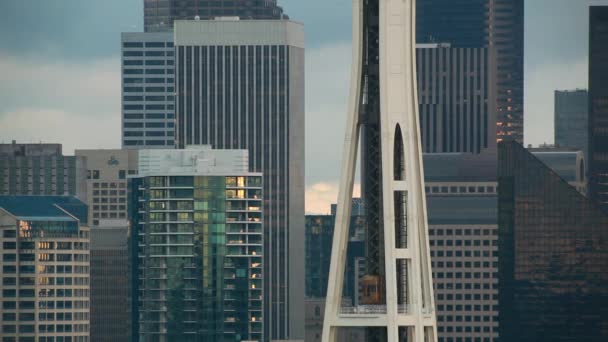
31	67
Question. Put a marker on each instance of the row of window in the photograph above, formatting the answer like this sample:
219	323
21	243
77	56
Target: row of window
149	143
131	80
30	281
467	232
149	90
460	189
153	62
149	124
148	53
464	242
150	98
466	253
148	107
45	304
109	200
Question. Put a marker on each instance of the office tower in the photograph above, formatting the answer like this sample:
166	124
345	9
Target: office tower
106	183
552	255
159	15
45	269
383	104
240	85
198	246
493	24
598	105
461	192
110	281
571	119
40	169
507	41
148	94
456	96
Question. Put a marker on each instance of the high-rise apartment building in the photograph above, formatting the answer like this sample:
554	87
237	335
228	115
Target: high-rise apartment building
45	269
198	247
240	85
106	183
159	15
552	255
493	24
456	99
572	119
41	169
148	93
598	105
110	281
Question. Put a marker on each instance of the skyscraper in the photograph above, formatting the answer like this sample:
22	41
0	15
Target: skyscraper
41	169
159	15
598	105
148	93
494	24
240	85
507	43
198	247
552	255
45	269
456	96
572	119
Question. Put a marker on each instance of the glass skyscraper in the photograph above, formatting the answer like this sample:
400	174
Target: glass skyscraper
159	15
240	85
197	245
552	255
598	105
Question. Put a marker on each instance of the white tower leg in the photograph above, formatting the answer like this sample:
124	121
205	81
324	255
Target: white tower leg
402	185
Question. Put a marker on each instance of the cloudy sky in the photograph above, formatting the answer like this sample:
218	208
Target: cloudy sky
60	73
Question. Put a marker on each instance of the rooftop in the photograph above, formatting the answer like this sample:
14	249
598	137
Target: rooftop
45	208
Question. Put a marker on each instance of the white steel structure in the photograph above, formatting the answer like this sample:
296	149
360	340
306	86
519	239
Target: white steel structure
383	112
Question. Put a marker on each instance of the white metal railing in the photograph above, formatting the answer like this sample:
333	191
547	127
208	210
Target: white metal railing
363	309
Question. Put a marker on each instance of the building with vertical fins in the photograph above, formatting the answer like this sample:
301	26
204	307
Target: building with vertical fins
496	25
159	15
598	105
110	320
456	91
45	269
240	85
397	300
552	255
197	247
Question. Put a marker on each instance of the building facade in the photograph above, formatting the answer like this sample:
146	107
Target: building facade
507	44
41	169
496	25
110	320
461	192
148	93
552	255
572	119
159	15
106	183
45	269
240	85
198	244
598	105
456	99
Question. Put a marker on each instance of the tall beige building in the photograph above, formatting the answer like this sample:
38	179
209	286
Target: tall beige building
107	172
44	242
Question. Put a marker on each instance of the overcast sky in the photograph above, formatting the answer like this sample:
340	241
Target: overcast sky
60	73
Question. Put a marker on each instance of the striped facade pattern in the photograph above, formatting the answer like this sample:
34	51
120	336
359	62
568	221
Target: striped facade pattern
242	97
455	99
148	103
